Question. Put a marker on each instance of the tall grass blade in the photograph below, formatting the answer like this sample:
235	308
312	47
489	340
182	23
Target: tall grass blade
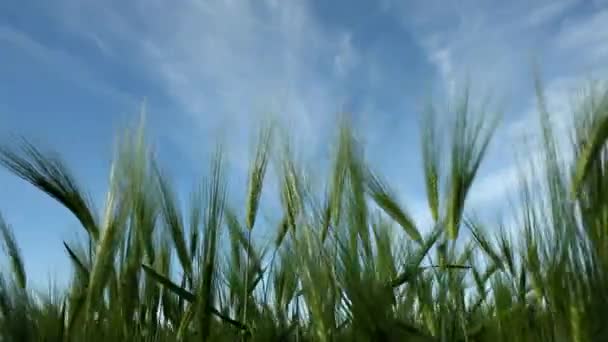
80	266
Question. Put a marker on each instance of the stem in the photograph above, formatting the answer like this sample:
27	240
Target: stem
246	289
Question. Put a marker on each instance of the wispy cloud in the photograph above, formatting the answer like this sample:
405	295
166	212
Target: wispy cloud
57	61
495	45
347	56
225	63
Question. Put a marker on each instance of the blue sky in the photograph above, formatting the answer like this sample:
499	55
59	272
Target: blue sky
72	73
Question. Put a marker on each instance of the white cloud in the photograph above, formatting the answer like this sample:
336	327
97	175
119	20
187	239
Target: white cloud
227	63
491	42
522	142
442	59
495	44
346	58
101	45
237	61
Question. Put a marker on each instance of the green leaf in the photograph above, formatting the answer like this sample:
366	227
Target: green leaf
170	285
80	266
187	295
413	268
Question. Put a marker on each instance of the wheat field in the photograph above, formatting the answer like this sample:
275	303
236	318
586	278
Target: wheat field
347	262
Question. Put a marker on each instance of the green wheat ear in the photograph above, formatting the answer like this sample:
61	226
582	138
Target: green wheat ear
386	200
470	139
215	192
14	255
49	174
112	227
174	221
431	149
337	181
595	140
256	176
290	189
